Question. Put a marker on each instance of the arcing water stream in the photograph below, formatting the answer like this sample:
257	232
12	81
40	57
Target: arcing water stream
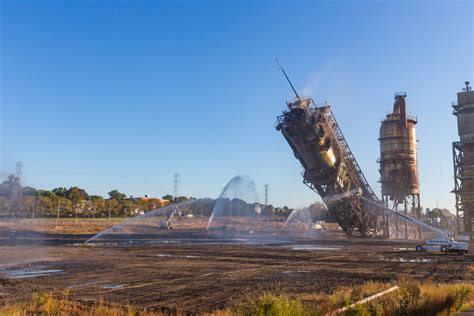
237	204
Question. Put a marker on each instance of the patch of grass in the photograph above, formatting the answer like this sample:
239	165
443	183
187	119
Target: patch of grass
269	304
412	298
48	305
62	225
432	299
468	272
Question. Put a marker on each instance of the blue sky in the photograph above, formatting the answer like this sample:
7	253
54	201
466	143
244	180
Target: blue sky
123	94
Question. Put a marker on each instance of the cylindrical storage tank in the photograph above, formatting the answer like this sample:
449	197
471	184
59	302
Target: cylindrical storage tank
398	155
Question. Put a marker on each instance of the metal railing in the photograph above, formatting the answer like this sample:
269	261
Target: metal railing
347	153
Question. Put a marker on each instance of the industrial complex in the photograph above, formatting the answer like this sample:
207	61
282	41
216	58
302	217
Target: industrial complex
332	171
197	256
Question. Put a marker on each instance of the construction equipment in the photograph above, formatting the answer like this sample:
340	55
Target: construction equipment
168	222
330	168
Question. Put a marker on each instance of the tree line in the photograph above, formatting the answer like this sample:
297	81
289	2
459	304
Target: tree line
17	201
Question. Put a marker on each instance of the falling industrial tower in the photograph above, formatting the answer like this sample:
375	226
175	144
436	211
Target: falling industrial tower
399	169
330	168
463	161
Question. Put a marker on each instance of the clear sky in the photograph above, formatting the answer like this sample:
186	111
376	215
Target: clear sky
123	94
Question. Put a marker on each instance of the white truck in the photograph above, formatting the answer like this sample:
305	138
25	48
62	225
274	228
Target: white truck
443	243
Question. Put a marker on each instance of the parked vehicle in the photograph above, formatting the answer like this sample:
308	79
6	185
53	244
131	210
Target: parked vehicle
444	244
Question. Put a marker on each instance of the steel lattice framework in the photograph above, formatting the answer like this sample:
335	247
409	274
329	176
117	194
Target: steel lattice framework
331	169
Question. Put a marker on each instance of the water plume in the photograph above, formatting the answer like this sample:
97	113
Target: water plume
395	222
235	216
300	217
236	206
145	223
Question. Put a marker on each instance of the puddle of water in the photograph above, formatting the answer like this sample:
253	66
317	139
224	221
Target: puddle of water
166	255
410	260
127	242
312	247
112	286
295	271
402	248
25	273
76	286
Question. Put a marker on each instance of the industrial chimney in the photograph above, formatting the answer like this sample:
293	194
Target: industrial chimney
399	167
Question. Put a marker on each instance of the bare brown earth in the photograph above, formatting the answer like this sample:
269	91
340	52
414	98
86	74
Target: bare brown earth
191	270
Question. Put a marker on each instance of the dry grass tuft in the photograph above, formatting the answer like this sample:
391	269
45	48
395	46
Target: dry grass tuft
268	303
412	298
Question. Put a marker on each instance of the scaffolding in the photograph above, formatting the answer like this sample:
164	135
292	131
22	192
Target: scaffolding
463	161
463	189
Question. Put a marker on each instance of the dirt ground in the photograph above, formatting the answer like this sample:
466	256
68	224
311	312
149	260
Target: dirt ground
199	272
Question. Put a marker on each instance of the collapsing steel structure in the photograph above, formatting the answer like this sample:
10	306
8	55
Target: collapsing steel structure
463	161
330	168
399	169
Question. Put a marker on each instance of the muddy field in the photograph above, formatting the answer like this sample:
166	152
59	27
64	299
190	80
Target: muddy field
199	272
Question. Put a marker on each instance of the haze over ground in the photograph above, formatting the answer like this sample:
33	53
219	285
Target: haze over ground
121	95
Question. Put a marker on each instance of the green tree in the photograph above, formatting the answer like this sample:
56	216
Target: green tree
45	204
75	193
116	195
168	197
29	191
114	207
97	206
182	198
128	207
62	192
4	206
7	186
64	207
267	210
29	207
78	197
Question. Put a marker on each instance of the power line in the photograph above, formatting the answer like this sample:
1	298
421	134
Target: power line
15	196
176	182
18	171
266	194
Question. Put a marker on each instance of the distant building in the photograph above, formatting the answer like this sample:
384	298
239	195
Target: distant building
441	217
447	218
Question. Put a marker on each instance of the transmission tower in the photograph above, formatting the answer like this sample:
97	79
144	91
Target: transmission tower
176	182
266	194
15	196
